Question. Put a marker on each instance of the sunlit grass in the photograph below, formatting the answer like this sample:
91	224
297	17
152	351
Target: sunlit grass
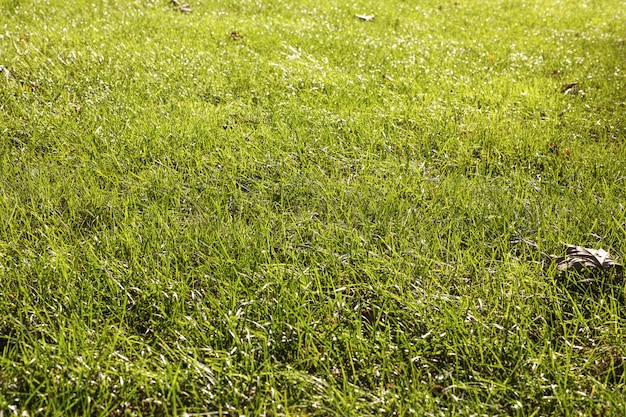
267	208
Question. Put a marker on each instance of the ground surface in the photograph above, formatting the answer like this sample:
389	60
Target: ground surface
275	207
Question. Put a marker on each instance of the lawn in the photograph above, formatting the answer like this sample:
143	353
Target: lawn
279	208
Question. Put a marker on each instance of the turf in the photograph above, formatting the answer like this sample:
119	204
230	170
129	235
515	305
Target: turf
277	208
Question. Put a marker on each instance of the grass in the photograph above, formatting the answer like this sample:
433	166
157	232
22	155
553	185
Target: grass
269	208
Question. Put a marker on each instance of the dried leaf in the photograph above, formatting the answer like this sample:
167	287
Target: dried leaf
235	36
183	8
555	149
365	17
572	88
578	258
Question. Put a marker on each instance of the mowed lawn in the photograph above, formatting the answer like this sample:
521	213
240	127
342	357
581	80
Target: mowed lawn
272	207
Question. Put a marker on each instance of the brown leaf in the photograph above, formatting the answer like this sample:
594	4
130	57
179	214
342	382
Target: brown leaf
555	149
235	36
570	88
578	258
181	7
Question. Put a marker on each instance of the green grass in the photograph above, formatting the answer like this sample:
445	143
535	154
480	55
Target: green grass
274	208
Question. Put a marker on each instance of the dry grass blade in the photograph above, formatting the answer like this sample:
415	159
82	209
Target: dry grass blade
5	71
578	258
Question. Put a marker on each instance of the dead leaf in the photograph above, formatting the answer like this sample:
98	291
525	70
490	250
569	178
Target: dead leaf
578	258
571	88
556	149
183	8
365	17
553	147
235	36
